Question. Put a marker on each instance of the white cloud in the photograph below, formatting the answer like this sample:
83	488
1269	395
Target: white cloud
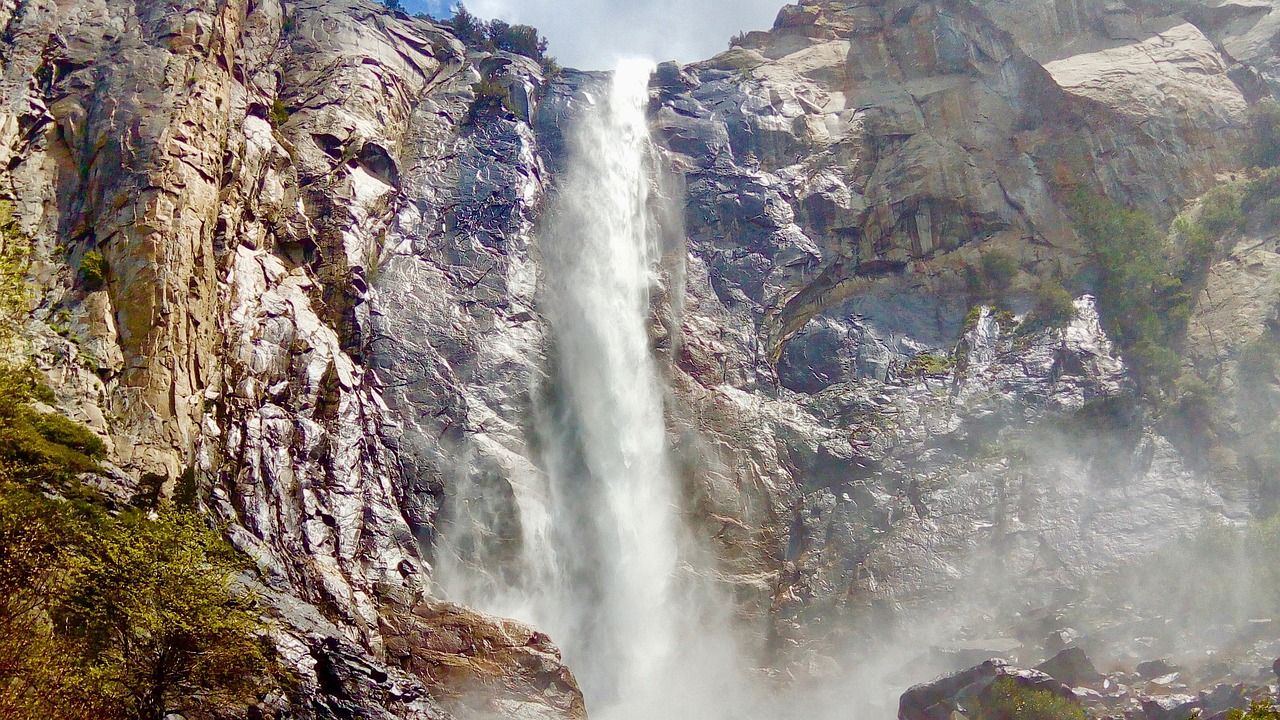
594	34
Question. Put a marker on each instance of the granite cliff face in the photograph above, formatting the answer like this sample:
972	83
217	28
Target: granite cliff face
321	312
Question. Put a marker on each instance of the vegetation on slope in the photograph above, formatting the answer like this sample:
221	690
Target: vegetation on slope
1008	700
499	36
1143	301
103	614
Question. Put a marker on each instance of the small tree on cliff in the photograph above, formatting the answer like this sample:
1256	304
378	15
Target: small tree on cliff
150	602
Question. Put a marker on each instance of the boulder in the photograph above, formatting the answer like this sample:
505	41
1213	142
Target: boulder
1153	669
1071	667
961	691
1169	707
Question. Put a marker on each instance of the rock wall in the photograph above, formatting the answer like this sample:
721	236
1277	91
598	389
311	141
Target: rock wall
271	184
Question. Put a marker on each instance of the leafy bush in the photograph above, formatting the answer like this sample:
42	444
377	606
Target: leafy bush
279	114
1263	149
1221	209
59	430
15	253
517	39
128	617
1261	194
491	98
1055	308
497	35
999	269
150	605
928	365
1007	700
1260	710
991	279
1143	303
94	270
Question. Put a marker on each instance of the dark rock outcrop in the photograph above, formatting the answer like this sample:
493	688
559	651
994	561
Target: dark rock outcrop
1071	667
962	692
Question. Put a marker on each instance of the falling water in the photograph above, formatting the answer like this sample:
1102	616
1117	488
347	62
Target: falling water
601	534
613	500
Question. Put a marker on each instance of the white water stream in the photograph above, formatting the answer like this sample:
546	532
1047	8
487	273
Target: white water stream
601	534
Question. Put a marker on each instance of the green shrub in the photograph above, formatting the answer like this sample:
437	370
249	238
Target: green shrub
1193	402
58	429
971	319
491	97
497	35
1221	209
1007	700
39	449
550	68
1143	303
131	617
94	270
929	365
150	602
999	269
278	115
1263	149
1260	710
1226	574
15	294
1055	308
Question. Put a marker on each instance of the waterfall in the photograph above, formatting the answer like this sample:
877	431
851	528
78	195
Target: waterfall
601	531
612	490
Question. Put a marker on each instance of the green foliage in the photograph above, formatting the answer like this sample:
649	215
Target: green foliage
149	601
393	5
1261	199
738	40
130	617
1225	573
1221	209
94	269
1259	710
1263	149
999	269
40	449
491	98
35	664
993	277
279	114
1055	308
517	39
971	319
15	254
1193	403
1143	302
498	36
59	430
1007	700
550	68
928	365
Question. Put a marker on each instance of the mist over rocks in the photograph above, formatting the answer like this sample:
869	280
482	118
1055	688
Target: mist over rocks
324	313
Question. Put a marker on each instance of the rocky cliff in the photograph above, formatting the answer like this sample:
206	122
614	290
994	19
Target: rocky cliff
320	313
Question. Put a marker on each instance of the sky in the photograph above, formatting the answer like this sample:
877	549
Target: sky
595	34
